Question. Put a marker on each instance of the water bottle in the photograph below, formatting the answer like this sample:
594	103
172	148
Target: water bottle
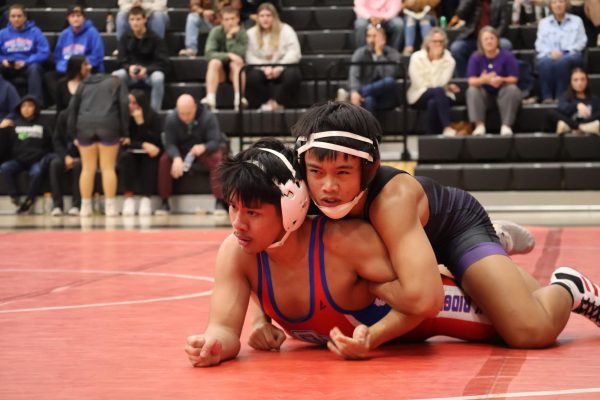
110	23
188	161
443	22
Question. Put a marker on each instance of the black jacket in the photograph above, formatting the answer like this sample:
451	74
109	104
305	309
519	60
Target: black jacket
149	51
29	139
469	10
179	138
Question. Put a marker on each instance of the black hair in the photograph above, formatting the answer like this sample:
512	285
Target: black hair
250	176
74	66
143	101
570	93
339	116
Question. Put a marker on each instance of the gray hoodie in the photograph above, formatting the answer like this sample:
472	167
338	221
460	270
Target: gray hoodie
100	102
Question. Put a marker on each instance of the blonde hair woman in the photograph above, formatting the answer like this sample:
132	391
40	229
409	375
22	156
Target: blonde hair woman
430	70
271	41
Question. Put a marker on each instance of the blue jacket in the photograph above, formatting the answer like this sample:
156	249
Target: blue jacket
87	41
29	44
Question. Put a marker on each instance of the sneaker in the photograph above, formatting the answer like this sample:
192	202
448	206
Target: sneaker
73	211
562	127
164	209
342	95
26	207
590	127
86	209
56	212
514	238
506	130
128	206
221	208
585	293
110	208
145	206
449	132
208	103
479	130
187	53
243	104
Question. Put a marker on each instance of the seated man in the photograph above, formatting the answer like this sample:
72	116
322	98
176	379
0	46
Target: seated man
272	246
155	10
191	135
143	58
23	48
80	37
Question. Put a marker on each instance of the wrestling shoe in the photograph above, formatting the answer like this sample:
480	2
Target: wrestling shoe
515	238
585	293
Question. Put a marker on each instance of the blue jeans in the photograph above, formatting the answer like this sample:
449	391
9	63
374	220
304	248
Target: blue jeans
555	75
194	23
10	170
34	74
156	81
379	95
157	23
437	104
462	49
410	29
393	29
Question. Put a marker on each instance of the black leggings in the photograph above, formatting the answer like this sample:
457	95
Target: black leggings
138	167
259	89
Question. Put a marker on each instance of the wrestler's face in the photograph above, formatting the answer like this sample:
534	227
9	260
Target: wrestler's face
333	181
256	227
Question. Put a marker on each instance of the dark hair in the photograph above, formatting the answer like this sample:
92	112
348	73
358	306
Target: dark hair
137	10
230	10
143	101
17	6
339	116
570	93
250	176
74	66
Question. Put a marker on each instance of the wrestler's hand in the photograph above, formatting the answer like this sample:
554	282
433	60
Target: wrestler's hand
266	337
203	351
355	348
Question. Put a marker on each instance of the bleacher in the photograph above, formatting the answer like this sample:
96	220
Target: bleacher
325	30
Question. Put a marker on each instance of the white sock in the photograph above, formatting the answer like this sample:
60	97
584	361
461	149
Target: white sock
211	97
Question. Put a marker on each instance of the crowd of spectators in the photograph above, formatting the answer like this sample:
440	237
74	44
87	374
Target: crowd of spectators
110	122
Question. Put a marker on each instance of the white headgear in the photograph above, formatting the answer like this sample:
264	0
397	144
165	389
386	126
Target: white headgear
295	198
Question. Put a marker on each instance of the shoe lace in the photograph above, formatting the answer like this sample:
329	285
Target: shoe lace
589	309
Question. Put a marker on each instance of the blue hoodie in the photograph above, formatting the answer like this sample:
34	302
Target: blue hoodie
87	41
29	44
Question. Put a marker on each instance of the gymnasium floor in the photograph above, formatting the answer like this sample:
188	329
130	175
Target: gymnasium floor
101	311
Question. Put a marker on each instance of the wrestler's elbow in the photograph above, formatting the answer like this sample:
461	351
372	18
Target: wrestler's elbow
425	303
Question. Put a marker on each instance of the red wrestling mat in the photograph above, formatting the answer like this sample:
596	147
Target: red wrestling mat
104	315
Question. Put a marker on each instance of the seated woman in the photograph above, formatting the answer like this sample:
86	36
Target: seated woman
271	41
430	71
138	160
492	75
560	40
578	109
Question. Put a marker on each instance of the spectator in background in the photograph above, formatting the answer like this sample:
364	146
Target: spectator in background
143	58
155	11
98	118
378	12
578	109
138	160
80	37
9	98
249	9
584	10
559	43
23	49
64	142
430	70
271	41
419	12
204	15
373	86
474	15
30	150
191	135
225	51
492	75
